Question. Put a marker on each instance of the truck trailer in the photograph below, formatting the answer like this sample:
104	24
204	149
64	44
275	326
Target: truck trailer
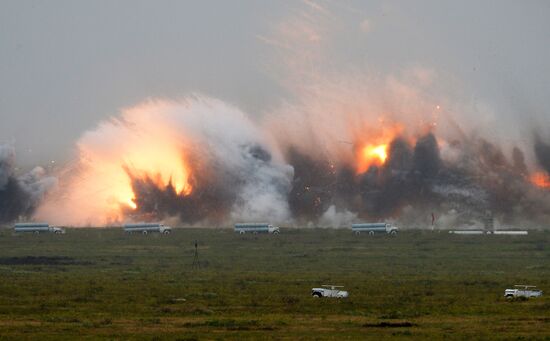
37	228
145	228
256	228
372	228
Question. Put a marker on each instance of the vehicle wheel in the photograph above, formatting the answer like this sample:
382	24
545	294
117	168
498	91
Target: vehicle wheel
241	232
357	233
57	232
509	296
275	232
36	232
371	233
144	232
393	233
166	232
316	295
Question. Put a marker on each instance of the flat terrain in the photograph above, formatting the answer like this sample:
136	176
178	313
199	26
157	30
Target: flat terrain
101	283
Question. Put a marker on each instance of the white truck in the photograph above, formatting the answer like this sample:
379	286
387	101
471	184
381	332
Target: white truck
523	291
329	291
37	228
145	228
256	228
372	228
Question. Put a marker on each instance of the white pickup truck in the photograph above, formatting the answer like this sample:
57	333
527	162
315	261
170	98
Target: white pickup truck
329	291
523	291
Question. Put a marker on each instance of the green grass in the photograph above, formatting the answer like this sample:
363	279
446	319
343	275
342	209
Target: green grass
101	283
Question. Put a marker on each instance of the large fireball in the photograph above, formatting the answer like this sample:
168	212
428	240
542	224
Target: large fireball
195	159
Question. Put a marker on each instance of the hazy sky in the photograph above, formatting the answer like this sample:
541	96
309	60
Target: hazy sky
66	65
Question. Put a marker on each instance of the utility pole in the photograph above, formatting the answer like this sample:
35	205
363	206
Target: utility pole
196	262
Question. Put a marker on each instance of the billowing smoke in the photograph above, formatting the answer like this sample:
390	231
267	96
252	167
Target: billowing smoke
542	152
198	160
19	194
416	182
347	144
205	163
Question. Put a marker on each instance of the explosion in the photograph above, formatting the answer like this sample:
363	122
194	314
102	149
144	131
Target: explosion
346	145
378	153
372	155
198	160
540	179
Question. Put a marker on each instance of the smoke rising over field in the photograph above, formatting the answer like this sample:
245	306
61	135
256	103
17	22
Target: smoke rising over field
200	161
347	144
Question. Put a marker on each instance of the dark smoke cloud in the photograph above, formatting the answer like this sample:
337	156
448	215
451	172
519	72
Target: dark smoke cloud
542	152
415	181
19	195
312	187
217	189
237	173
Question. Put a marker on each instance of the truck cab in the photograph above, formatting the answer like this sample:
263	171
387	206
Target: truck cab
57	230
273	229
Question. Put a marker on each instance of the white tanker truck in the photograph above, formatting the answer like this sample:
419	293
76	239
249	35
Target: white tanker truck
37	228
372	228
145	228
256	228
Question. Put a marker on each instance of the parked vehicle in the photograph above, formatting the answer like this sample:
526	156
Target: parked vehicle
256	228
372	228
329	291
512	233
477	232
523	291
37	228
145	228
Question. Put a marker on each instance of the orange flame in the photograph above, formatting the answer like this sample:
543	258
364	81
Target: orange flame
144	143
376	155
374	151
540	179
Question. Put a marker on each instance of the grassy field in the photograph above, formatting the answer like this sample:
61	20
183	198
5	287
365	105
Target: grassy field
101	283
